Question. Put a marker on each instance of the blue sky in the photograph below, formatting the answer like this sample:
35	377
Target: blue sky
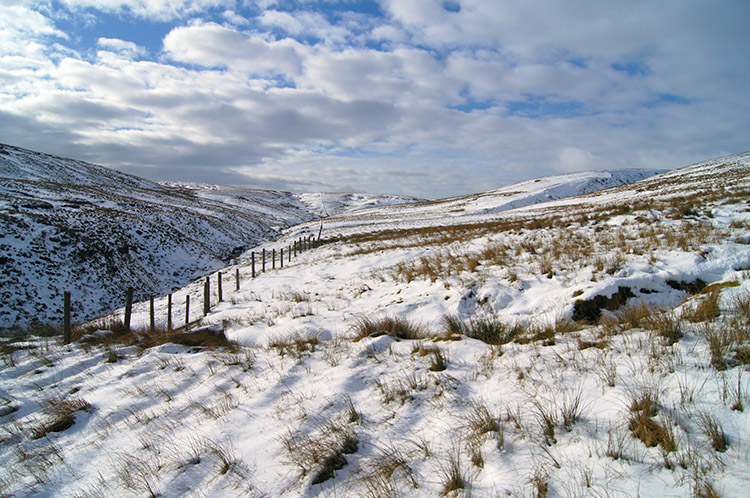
422	97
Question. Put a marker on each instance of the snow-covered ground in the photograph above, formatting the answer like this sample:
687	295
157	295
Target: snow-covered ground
67	225
330	394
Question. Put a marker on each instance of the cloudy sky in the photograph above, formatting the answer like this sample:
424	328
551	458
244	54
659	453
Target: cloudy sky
423	97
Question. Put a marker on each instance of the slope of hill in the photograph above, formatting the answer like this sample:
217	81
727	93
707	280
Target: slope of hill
588	346
461	209
69	225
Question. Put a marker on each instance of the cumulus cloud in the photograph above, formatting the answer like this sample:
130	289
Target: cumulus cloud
302	23
213	45
430	98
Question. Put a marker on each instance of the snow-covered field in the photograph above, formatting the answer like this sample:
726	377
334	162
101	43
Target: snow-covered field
425	350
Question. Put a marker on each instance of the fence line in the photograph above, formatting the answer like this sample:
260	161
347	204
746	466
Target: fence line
297	246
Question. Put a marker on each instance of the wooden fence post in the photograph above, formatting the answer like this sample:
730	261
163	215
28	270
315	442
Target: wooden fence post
290	254
263	266
206	296
237	278
169	312
273	259
187	309
128	307
66	317
221	291
253	258
294	244
281	257
152	320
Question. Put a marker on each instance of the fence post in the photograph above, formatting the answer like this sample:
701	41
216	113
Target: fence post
281	257
206	296
294	245
66	317
253	258
290	254
187	309
152	321
263	266
128	307
221	291
169	312
273	259
237	278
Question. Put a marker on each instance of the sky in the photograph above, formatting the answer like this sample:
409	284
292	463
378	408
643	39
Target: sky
418	97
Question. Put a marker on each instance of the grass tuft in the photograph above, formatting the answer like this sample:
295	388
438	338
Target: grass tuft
489	330
394	326
60	414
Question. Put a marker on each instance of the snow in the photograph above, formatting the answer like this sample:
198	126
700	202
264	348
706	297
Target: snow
175	420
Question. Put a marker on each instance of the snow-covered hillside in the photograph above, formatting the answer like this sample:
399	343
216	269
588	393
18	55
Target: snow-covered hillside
326	204
588	346
464	208
93	231
70	225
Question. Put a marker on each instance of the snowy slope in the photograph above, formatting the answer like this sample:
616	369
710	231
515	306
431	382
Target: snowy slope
311	406
326	204
463	208
69	225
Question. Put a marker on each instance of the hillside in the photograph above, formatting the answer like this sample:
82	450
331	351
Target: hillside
71	225
589	346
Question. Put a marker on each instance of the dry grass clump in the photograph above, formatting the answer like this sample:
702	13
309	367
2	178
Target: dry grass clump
707	308
453	476
206	337
721	338
713	430
666	325
320	454
480	421
487	329
60	415
394	326
643	426
537	333
384	471
296	345
438	360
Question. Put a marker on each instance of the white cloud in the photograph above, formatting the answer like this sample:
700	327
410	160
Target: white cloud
149	9
290	100
125	48
575	159
302	23
388	33
212	45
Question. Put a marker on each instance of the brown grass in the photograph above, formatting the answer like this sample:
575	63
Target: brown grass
486	329
643	426
207	337
60	415
394	326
